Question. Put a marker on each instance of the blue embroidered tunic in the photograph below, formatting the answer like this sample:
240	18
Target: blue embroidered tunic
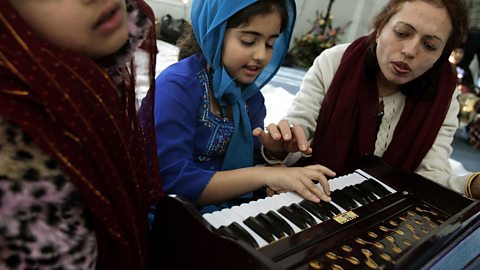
191	140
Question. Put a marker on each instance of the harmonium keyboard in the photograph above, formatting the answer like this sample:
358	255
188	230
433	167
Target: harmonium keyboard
379	218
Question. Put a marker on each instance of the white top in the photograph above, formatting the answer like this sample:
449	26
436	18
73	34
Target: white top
306	106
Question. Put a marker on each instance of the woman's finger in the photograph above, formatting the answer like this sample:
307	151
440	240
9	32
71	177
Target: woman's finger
301	138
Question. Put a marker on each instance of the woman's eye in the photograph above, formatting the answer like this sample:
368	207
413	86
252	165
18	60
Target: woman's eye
400	33
430	47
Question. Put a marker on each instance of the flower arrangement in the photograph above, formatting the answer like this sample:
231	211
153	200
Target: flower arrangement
321	36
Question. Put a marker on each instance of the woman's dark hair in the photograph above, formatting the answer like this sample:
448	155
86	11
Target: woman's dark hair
457	12
188	44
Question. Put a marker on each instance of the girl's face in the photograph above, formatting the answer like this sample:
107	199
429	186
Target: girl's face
412	41
95	28
247	49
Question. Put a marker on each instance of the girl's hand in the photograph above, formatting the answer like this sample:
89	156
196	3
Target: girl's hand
299	179
283	137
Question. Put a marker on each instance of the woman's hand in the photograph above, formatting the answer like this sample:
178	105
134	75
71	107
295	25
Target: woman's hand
283	137
299	179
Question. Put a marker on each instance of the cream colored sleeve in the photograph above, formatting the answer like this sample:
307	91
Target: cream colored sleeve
436	165
308	100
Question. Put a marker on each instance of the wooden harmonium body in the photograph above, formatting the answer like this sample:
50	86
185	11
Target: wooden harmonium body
378	219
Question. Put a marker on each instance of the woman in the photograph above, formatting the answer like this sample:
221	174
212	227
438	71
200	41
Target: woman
390	93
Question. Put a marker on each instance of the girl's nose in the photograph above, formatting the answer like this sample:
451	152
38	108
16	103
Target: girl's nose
260	53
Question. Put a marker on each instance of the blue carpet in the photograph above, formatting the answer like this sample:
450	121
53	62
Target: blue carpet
464	153
288	78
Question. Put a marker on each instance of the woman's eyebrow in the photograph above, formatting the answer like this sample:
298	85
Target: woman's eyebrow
415	30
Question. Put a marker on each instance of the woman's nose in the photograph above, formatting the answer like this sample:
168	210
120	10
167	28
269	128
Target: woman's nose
410	48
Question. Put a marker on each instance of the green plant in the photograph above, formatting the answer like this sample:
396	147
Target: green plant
322	35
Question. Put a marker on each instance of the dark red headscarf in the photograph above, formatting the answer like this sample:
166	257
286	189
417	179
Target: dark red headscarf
75	112
347	122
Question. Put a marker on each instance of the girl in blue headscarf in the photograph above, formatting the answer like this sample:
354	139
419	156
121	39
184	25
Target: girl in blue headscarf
208	103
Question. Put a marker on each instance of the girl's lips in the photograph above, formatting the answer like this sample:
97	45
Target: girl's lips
109	20
252	70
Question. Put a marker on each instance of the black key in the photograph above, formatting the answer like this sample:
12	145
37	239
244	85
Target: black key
241	233
316	209
370	196
353	193
380	190
271	224
279	221
289	213
342	200
331	208
259	228
350	200
227	231
304	214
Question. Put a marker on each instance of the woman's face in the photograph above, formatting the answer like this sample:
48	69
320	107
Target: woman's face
412	41
94	28
247	49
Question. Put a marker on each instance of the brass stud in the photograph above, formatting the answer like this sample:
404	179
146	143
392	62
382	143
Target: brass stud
346	248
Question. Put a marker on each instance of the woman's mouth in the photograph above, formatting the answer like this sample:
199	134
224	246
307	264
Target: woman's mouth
401	67
109	20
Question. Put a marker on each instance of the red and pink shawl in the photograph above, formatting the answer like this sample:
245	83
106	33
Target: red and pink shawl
72	109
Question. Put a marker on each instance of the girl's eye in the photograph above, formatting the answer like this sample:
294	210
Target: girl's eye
271	42
247	43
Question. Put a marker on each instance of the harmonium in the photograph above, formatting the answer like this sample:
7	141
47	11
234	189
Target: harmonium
379	218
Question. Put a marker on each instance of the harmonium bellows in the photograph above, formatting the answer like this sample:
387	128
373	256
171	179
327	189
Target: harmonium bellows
379	218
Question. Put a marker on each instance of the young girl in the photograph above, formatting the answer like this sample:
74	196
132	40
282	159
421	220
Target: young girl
74	182
207	105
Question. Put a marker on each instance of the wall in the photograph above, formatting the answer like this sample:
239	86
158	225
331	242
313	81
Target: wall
359	12
176	8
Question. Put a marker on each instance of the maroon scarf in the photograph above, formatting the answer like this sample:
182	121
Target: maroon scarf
347	123
74	111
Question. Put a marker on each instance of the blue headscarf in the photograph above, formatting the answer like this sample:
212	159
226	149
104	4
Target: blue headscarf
209	20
